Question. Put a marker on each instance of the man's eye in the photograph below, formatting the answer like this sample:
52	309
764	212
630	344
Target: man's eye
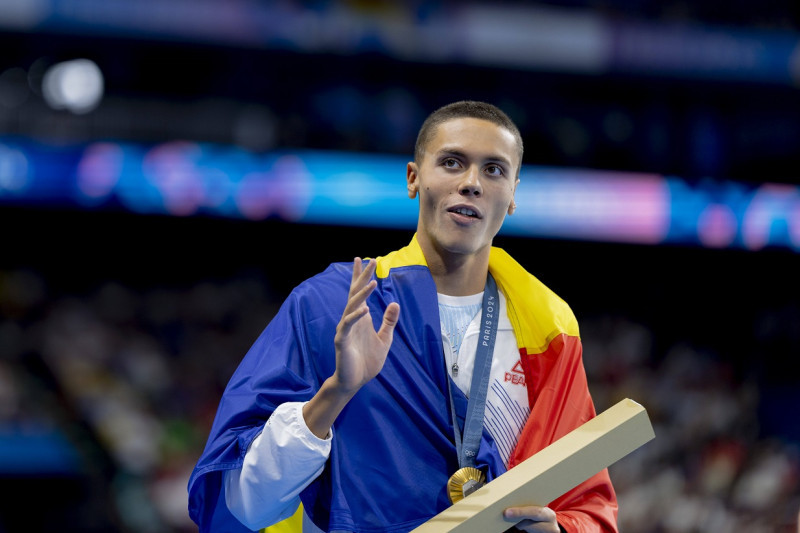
494	170
450	162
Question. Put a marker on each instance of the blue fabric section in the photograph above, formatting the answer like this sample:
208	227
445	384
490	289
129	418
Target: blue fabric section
393	450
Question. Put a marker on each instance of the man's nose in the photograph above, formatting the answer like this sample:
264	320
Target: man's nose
471	183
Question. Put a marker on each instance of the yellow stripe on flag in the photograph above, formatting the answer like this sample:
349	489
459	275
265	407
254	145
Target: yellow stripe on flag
293	524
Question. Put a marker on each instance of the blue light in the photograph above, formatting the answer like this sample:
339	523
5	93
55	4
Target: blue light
353	189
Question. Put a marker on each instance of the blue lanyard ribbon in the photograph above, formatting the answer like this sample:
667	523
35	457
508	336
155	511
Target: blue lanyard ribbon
468	444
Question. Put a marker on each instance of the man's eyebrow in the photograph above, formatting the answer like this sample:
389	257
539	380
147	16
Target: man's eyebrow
450	152
455	152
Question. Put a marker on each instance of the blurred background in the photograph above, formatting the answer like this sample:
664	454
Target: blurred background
170	169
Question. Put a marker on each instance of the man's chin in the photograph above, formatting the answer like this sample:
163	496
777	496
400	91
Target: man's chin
463	247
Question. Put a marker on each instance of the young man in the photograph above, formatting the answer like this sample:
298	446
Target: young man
362	396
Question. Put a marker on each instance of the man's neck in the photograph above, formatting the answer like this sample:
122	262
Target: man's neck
458	275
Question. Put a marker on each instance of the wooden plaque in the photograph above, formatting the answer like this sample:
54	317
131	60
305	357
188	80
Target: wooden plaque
550	473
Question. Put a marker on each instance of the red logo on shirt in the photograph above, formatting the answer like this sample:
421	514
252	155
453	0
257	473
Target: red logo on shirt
517	375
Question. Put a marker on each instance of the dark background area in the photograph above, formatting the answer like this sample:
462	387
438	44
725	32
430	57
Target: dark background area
117	326
640	119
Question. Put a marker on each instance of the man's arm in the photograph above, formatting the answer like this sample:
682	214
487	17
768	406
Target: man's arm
282	461
280	464
360	351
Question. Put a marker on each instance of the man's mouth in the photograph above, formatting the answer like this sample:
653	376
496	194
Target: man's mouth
465	211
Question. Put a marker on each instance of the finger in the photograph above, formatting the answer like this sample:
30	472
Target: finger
358	298
390	318
529	526
532	518
351	318
361	286
362	274
531	512
366	271
357	268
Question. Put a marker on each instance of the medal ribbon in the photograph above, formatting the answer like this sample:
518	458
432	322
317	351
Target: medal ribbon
467	447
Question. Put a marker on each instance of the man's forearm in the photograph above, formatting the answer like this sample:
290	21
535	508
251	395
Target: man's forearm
321	411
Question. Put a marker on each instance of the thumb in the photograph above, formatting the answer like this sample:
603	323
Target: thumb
390	318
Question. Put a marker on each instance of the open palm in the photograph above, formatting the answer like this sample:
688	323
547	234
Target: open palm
360	350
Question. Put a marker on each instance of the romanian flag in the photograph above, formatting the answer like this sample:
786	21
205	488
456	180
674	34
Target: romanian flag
394	450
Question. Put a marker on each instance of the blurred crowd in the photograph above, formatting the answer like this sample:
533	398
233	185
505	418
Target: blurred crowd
131	376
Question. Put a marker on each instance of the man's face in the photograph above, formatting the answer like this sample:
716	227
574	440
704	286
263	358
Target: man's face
466	182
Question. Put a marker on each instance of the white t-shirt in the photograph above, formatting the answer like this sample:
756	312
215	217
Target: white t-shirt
507	397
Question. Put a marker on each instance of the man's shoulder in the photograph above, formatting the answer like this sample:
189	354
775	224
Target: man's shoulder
516	276
335	276
409	256
532	301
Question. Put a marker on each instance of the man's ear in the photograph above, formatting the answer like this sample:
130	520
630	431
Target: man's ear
412	179
513	205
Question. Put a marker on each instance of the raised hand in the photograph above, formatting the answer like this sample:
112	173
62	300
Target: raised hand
360	351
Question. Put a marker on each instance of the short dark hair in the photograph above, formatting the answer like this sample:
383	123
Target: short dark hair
464	109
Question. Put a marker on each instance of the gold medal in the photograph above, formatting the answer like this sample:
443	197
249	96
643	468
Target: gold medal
464	482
